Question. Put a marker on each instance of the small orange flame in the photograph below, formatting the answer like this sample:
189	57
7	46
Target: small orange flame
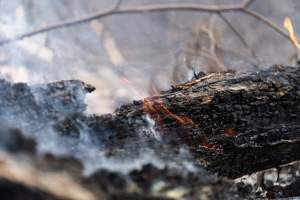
287	23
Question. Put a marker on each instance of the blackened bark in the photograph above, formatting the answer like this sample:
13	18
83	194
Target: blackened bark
233	123
241	123
238	123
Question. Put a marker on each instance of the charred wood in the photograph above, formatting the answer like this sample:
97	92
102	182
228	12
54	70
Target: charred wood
233	123
239	123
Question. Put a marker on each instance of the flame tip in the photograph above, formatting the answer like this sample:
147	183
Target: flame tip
287	24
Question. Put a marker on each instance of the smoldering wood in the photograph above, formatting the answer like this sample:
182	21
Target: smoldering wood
233	123
241	122
59	106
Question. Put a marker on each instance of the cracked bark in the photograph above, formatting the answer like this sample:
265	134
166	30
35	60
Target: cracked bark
239	123
242	123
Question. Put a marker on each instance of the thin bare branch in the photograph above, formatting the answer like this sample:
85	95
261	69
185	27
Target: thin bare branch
266	21
270	24
126	10
248	3
118	10
63	24
241	38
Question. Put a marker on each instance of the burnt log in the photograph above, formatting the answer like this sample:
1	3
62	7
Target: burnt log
233	123
41	110
238	123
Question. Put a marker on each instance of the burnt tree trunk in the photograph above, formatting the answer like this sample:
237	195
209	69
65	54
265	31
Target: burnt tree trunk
234	123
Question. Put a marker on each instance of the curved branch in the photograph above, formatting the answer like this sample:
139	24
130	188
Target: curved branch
270	24
63	24
266	21
248	3
126	10
243	7
241	38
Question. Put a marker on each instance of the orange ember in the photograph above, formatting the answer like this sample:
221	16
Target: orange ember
179	120
149	106
230	132
287	23
157	107
209	146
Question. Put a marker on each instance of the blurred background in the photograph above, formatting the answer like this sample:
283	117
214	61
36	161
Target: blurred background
124	55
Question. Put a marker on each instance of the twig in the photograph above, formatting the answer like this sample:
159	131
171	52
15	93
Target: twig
248	3
241	38
63	24
126	10
266	21
116	9
271	24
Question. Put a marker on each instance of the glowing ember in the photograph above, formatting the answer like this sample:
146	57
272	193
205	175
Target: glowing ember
179	120
230	132
149	106
289	27
157	107
209	146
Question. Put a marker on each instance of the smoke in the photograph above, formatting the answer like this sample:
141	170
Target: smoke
141	48
46	106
